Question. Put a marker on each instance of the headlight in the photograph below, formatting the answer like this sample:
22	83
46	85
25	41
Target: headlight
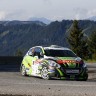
78	59
53	64
84	65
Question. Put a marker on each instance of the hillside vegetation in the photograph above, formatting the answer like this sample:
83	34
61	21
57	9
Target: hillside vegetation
16	36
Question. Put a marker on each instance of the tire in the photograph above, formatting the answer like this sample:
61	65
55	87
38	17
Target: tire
85	77
45	74
23	70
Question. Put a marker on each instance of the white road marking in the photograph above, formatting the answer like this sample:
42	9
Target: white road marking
56	84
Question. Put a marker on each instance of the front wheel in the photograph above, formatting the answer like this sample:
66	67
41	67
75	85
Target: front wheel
45	74
85	78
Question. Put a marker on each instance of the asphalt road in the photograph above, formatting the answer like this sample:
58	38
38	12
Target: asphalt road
14	83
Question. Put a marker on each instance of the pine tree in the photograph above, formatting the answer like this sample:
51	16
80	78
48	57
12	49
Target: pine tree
76	40
19	53
92	41
92	44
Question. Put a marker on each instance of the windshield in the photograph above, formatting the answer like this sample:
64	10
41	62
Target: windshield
59	53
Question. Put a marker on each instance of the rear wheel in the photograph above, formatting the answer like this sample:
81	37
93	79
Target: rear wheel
23	70
44	73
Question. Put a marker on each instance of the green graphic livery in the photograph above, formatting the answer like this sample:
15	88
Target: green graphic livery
53	61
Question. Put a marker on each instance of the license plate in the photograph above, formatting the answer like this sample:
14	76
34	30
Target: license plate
72	71
72	76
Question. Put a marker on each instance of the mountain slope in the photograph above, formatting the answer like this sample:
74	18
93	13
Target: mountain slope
23	35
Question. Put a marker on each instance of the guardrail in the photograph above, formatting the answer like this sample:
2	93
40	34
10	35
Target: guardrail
10	59
10	63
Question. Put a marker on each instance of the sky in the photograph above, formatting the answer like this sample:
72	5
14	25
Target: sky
50	9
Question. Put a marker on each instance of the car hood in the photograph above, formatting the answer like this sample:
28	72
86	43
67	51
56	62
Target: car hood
69	62
67	58
63	58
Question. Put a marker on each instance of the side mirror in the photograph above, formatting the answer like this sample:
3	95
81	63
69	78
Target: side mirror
30	53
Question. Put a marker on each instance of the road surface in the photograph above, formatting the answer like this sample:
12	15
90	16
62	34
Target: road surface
14	83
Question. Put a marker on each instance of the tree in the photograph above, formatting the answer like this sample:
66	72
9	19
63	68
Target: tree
92	41
19	53
77	41
92	44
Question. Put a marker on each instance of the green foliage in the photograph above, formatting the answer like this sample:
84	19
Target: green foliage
19	53
25	34
92	44
77	42
92	41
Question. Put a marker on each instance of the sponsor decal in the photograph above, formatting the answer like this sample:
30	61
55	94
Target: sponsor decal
65	61
29	65
37	61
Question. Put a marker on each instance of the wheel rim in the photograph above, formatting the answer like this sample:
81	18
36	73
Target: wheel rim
44	73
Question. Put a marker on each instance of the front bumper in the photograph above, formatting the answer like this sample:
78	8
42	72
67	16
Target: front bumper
81	75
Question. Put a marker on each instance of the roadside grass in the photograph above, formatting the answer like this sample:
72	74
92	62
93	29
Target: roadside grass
90	61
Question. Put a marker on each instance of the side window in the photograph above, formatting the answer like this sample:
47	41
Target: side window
31	52
38	52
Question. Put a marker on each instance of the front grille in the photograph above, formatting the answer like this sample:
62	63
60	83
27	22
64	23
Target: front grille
70	71
71	68
67	65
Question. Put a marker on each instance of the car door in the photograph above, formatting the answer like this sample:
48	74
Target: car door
29	60
36	62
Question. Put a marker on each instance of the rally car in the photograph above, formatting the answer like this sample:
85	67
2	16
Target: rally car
53	61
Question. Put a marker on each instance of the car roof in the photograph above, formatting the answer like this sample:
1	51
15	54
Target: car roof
53	47
62	48
56	47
